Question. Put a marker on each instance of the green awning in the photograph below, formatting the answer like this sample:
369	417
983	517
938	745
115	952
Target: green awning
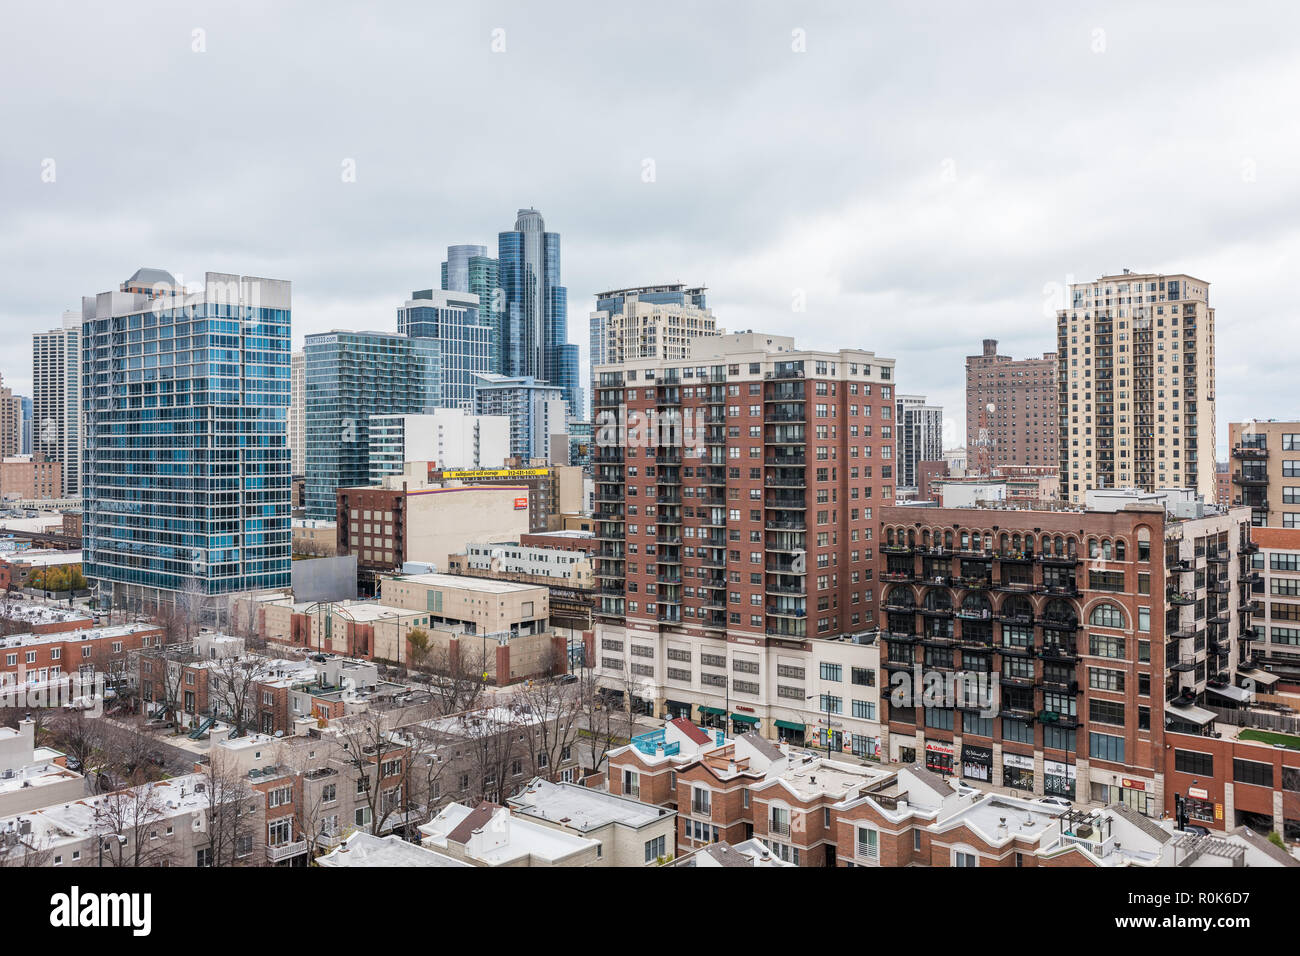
789	725
744	718
711	710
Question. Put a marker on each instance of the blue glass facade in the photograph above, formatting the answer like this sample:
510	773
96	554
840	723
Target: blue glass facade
351	376
535	321
185	455
464	343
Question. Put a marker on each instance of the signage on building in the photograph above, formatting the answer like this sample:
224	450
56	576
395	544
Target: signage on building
1133	784
1198	793
1016	760
521	504
499	473
939	748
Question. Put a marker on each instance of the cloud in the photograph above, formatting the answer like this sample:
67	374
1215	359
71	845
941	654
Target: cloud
923	174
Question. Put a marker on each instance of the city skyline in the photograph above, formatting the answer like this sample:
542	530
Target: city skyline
962	238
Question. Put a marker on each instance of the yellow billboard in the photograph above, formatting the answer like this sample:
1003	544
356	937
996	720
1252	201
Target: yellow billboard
499	473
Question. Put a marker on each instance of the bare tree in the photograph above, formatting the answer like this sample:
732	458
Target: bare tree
557	706
193	599
18	849
82	738
380	754
243	621
234	829
232	683
130	756
457	682
125	822
608	728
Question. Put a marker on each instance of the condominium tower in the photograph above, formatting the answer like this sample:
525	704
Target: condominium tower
1135	385
535	339
1010	410
648	322
297	413
56	398
736	497
451	319
351	376
919	436
185	458
1265	471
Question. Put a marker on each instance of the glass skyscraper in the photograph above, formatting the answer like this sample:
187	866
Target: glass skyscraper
351	376
470	269
185	456
464	342
535	326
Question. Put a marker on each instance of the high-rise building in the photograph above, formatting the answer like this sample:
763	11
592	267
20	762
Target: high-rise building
298	413
351	376
464	344
56	398
535	329
470	269
919	437
185	456
1011	415
1135	378
449	437
736	509
1266	471
536	411
25	443
648	322
1083	637
11	422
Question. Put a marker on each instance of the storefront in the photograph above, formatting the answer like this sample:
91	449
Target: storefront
743	724
1018	772
714	717
938	757
1058	779
1133	794
673	709
790	731
977	763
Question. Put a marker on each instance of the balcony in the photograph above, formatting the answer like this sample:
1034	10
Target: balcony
1059	560
1180	598
1250	452
1242	479
1057	718
285	851
972	583
898	577
1060	622
890	608
1184	665
896	548
1058	652
1017	557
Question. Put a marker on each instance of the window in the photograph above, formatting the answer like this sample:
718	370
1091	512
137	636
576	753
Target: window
1252	772
832	672
1194	762
964	858
868	844
1106	747
1106	615
654	849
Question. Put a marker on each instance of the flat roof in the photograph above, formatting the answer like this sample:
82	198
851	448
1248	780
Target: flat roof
467	583
581	807
365	849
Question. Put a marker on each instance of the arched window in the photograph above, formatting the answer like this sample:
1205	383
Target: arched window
1119	550
1105	550
1106	615
1093	548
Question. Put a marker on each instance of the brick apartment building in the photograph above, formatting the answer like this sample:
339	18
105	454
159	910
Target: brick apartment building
1022	427
1265	471
40	657
757	537
30	477
1104	629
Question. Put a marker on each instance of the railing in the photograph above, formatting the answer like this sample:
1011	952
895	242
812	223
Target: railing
284	851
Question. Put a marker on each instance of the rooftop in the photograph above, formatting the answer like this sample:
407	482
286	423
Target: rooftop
582	808
364	849
464	583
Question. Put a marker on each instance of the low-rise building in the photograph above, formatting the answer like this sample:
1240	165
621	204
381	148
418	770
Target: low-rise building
631	833
32	776
490	835
364	849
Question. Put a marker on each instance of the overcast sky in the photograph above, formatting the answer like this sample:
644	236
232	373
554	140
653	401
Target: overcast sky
923	176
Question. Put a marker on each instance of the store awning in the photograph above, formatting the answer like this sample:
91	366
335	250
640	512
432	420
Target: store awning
715	711
1192	714
789	725
1239	694
744	718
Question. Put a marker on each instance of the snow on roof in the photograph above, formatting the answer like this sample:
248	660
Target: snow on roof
582	808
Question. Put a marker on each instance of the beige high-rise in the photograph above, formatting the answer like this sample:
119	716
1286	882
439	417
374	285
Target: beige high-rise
1266	471
1135	385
